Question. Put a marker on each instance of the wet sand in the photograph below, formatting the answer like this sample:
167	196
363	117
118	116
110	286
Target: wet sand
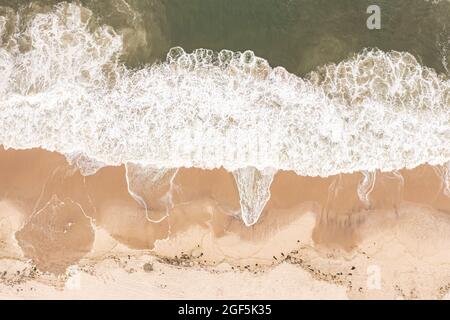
56	224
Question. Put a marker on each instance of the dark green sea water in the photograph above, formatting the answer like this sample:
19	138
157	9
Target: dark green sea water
297	34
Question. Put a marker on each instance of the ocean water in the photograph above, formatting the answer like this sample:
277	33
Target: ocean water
250	86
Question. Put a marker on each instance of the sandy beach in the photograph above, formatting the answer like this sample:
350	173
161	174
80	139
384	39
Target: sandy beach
155	149
64	235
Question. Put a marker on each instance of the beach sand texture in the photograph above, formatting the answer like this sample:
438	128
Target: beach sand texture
59	227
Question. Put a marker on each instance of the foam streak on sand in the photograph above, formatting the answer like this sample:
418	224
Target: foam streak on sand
64	89
444	172
144	180
366	186
254	191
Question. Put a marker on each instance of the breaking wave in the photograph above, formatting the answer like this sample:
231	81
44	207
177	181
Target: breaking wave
64	89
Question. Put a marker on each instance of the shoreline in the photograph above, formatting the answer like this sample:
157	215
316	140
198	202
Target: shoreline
53	220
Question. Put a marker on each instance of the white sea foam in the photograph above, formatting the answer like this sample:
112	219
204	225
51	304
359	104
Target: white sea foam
444	173
446	179
67	91
86	165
